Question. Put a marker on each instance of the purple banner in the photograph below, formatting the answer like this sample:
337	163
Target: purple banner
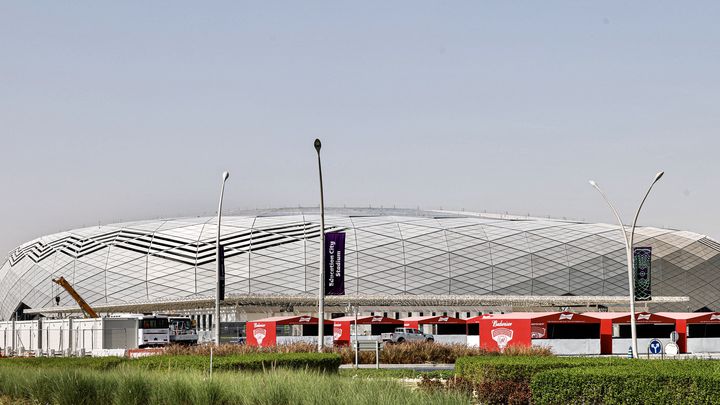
335	263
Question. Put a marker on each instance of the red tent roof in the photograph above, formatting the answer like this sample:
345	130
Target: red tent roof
555	317
624	317
369	320
428	320
292	320
694	317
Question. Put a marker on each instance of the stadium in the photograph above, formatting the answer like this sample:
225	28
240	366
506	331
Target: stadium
406	261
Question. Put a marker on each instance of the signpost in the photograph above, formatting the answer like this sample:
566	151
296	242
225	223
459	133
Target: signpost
655	347
672	349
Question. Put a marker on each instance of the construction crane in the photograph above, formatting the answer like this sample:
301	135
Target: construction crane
87	309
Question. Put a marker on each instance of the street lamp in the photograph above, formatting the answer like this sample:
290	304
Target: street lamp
321	285
225	176
629	253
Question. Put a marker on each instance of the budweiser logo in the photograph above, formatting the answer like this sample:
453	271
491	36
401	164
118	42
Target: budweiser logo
496	323
337	332
304	319
643	317
715	317
259	334
443	319
567	317
502	336
377	319
537	332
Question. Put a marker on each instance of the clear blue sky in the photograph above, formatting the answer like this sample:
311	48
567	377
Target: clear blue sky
115	111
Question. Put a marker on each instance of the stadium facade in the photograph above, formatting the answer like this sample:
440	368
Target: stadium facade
393	254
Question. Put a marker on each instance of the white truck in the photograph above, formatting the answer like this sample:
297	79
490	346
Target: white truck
407	335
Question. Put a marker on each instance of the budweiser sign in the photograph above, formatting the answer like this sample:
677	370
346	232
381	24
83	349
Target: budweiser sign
502	336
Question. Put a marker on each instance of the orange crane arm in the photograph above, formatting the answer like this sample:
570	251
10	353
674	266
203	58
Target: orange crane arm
89	312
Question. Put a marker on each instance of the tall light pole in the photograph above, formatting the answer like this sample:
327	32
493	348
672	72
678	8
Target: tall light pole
629	254
218	265
321	285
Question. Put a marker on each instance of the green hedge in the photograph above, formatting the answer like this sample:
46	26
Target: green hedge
640	384
562	380
523	368
326	362
93	363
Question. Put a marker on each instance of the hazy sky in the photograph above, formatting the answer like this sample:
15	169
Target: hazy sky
114	111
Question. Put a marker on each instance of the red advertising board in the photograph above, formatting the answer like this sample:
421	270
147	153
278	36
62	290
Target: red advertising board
341	332
498	333
261	334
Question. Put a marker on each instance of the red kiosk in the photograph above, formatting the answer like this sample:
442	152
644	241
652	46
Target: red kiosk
698	332
444	325
615	333
378	325
263	332
563	332
445	329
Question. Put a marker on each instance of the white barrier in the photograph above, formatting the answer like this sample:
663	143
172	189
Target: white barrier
27	335
703	345
473	340
7	331
287	340
451	339
55	334
569	346
87	334
621	345
108	352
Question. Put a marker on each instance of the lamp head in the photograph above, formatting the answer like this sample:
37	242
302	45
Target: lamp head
318	145
225	176
592	183
659	175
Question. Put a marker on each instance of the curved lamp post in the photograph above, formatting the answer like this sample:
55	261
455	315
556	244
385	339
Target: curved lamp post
321	285
225	176
629	253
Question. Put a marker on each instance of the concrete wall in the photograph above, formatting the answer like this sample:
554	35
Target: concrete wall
703	345
569	346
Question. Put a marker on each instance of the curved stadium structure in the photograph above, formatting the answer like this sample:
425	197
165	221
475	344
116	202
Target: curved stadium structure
390	253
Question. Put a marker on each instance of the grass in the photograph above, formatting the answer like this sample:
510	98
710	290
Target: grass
133	386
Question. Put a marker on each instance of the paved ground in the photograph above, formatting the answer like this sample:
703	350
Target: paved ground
415	367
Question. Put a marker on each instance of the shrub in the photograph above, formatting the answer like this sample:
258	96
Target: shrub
325	362
506	379
94	363
426	352
405	353
657	384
